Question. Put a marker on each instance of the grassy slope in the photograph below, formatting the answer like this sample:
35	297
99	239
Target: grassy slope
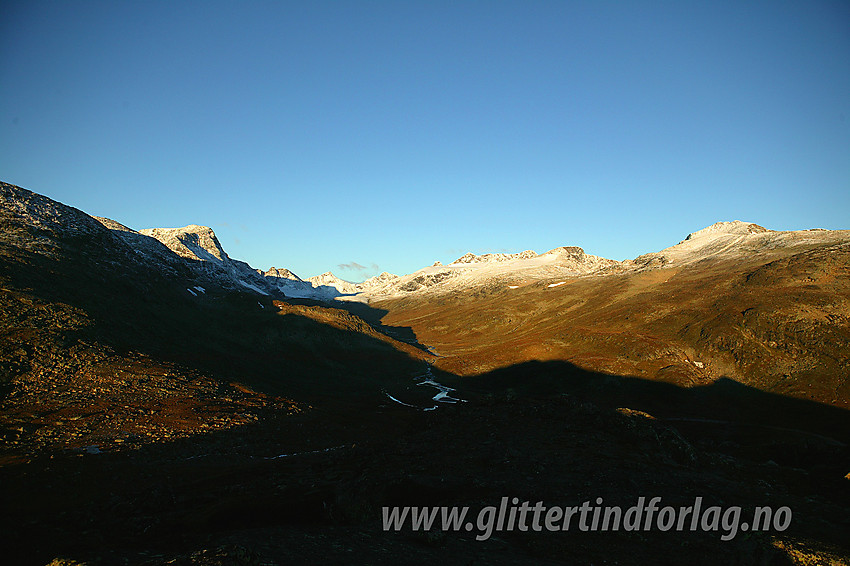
779	322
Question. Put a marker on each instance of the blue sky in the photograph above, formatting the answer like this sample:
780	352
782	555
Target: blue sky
315	135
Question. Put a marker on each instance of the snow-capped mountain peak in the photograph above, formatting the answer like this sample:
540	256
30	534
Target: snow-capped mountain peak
735	227
484	258
191	242
328	279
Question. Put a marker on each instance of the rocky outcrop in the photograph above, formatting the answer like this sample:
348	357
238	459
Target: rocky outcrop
484	258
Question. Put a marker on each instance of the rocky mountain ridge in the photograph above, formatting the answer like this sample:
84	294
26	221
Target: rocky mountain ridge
472	258
720	240
197	249
281	273
733	227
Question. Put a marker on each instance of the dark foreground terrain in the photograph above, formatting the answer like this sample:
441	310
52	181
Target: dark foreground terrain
145	425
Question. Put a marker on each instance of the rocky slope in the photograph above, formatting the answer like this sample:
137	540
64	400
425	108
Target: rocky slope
282	274
720	240
769	309
192	252
744	240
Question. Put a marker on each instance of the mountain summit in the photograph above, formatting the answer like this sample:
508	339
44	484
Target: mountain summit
735	227
191	242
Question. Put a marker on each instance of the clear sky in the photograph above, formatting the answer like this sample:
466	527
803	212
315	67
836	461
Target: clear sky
326	135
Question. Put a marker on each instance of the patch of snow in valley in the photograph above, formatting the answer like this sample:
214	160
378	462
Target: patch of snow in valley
252	287
303	453
408	404
194	294
556	284
442	395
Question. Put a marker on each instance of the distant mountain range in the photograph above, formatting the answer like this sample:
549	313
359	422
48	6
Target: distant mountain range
726	270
